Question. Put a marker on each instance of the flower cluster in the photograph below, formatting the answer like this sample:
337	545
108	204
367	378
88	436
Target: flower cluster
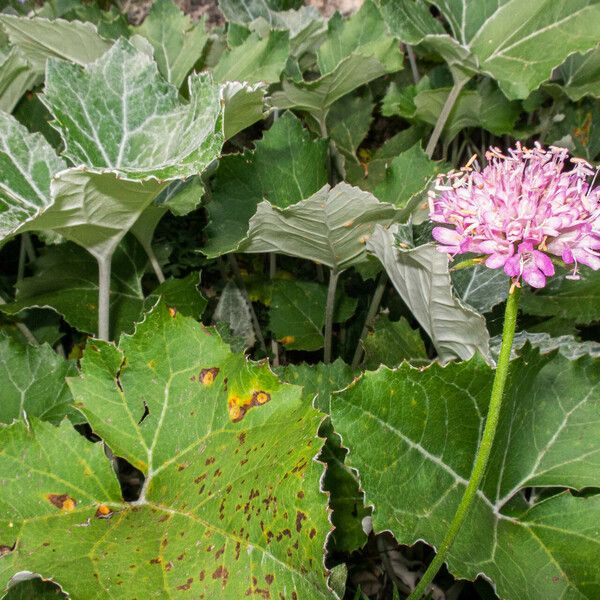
520	209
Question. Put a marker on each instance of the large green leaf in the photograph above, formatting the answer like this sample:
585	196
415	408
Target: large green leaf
16	77
228	503
114	116
39	39
421	277
27	165
243	105
581	75
406	177
356	51
331	227
297	313
117	112
371	171
256	59
517	43
66	280
178	43
576	300
286	167
413	434
32	379
365	34
348	123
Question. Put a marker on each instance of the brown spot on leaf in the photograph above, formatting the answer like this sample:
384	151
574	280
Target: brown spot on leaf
242	438
62	501
312	533
186	586
221	573
201	575
156	561
209	461
172	311
300	494
300	516
4	550
208	376
269	578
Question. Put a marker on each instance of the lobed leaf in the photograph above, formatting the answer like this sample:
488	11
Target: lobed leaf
32	379
228	504
431	421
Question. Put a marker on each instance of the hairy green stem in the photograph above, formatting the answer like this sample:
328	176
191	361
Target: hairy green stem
485	446
443	116
329	309
104	268
373	308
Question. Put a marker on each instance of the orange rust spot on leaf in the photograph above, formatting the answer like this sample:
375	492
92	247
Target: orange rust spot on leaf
261	397
103	512
62	501
207	376
287	340
172	311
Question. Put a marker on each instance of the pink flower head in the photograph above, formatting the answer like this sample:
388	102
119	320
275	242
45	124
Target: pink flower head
519	210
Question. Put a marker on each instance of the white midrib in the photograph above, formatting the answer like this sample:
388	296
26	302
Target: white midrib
429	456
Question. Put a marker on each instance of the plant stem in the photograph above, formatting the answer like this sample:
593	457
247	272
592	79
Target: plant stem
22	259
413	64
373	308
272	273
240	283
104	267
443	116
485	446
329	309
154	263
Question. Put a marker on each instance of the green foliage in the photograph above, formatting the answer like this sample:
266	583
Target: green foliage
233	408
433	420
297	313
33	383
304	145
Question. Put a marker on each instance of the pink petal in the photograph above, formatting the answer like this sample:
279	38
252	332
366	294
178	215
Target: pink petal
543	263
512	267
446	236
534	277
496	260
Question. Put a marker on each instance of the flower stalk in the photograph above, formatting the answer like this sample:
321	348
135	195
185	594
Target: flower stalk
485	446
